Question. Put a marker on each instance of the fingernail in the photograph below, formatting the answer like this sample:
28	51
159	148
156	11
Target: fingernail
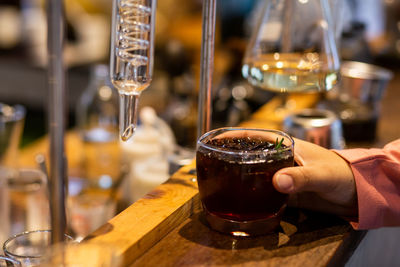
285	182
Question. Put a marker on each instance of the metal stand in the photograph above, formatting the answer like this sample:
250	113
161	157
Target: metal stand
207	67
56	113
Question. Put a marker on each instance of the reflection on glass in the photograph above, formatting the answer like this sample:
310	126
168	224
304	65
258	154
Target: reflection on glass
293	48
29	248
9	262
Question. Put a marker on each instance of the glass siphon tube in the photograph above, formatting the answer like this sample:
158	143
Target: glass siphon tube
131	56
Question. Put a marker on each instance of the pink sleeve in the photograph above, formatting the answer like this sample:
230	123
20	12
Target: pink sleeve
377	176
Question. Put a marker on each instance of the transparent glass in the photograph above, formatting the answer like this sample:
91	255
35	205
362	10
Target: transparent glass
97	108
337	10
131	57
9	262
24	203
235	167
97	117
12	120
90	205
293	48
29	248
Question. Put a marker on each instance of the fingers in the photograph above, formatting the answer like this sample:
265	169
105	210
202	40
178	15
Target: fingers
328	183
298	179
283	183
306	152
324	174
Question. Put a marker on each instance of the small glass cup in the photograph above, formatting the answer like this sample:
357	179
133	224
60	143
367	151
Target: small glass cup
88	206
29	248
235	167
24	203
9	262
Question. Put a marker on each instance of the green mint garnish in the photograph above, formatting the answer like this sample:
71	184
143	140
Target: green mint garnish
278	144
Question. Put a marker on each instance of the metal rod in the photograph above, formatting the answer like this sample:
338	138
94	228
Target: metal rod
287	45
56	117
206	67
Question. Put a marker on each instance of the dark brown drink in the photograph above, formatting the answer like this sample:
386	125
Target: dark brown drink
234	175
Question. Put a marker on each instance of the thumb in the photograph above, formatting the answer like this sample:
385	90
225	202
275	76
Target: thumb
298	179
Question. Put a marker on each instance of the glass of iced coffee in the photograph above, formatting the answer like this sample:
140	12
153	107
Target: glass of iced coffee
235	167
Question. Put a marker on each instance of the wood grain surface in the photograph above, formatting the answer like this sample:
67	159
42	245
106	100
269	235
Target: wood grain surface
147	221
304	239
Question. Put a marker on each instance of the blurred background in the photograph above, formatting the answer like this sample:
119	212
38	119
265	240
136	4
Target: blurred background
371	33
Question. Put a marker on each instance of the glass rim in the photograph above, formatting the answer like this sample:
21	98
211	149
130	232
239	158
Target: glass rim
11	254
26	175
15	262
241	152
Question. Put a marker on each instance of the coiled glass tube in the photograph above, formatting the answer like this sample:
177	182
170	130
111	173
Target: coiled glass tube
131	56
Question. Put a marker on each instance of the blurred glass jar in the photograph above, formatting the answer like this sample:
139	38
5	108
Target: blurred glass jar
358	100
97	120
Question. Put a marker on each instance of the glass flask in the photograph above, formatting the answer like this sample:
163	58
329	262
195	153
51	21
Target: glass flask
292	49
131	56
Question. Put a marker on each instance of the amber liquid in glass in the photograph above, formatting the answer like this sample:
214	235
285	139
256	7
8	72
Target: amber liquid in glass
290	72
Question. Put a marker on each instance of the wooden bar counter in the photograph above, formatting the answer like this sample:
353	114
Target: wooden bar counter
166	227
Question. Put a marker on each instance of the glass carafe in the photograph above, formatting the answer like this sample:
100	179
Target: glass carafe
293	48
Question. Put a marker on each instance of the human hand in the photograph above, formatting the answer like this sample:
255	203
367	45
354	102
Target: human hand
323	181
